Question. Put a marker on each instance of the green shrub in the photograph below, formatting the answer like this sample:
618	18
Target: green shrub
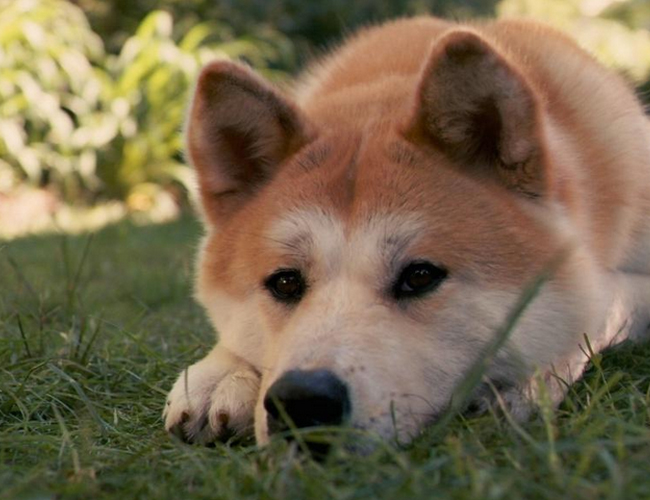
90	124
51	96
607	28
151	79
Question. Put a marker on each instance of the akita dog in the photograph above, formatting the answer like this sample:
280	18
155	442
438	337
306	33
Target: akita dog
369	235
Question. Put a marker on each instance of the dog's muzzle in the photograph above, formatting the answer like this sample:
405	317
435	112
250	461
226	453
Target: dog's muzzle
302	398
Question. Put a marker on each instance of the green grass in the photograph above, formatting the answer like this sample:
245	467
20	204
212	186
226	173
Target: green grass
93	331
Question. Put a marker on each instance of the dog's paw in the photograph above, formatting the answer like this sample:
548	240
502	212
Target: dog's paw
210	403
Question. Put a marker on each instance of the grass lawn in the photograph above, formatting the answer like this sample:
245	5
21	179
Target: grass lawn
93	330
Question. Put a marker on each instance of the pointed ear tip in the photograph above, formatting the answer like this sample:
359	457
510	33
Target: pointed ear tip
462	44
216	70
218	66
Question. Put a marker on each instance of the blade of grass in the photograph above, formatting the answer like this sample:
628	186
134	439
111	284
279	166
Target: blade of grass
6	408
146	350
21	276
293	429
82	261
24	337
475	374
67	440
73	277
104	426
84	356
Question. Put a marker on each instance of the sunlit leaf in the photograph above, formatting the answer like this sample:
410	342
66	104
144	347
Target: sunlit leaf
95	124
625	47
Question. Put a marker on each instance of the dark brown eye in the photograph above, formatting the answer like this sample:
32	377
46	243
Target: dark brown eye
286	285
418	278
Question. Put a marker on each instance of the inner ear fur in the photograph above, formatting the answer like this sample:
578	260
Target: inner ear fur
239	131
475	107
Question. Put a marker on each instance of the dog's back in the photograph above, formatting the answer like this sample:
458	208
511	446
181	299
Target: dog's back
594	126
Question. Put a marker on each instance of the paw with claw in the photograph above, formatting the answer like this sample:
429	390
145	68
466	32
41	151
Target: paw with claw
213	400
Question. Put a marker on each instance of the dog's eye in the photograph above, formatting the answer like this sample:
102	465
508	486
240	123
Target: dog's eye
286	285
418	278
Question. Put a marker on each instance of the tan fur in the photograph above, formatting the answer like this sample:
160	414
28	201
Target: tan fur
490	149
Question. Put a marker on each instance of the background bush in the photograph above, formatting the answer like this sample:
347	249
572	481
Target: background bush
149	82
92	124
52	96
93	92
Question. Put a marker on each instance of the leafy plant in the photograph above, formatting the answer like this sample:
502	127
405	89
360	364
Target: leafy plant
51	92
610	29
152	76
87	123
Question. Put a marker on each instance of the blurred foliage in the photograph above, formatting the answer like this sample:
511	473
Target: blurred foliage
88	123
610	29
51	96
634	13
116	20
315	26
310	25
150	80
93	92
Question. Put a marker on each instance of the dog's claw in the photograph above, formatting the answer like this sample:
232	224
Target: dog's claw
195	430
177	431
205	409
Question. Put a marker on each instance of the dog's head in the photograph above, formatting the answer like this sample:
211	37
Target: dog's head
363	264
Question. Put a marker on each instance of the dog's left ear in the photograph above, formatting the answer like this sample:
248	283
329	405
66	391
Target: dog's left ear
475	107
240	131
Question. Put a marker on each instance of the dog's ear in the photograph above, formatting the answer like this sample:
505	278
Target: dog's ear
238	133
473	105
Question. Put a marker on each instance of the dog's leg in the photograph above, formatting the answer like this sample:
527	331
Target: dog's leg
635	292
213	399
628	317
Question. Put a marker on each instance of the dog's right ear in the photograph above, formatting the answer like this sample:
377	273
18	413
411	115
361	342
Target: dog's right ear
239	131
474	105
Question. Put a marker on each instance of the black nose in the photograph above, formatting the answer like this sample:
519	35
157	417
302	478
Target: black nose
309	398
